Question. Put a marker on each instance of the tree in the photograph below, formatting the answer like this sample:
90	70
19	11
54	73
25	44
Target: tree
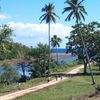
40	65
22	55
5	33
95	41
77	11
75	46
48	16
55	42
5	37
9	74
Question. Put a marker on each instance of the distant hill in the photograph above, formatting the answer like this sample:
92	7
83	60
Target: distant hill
60	50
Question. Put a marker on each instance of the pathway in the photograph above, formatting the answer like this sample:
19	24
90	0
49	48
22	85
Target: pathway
14	95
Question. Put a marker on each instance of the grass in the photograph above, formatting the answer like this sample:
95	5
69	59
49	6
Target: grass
62	91
74	87
65	67
15	87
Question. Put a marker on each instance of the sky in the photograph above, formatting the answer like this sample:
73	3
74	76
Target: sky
23	17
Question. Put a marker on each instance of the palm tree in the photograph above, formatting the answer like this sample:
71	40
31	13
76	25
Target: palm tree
55	42
77	11
48	16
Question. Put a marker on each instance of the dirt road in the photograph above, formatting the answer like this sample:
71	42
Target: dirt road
35	88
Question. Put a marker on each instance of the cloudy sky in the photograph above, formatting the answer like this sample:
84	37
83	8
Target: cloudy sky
23	17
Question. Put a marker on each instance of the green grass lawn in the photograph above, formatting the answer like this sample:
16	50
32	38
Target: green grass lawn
74	87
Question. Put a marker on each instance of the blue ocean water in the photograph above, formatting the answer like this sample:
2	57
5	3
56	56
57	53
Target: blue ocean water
67	59
59	50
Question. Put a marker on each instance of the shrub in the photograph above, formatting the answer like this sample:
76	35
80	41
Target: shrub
9	75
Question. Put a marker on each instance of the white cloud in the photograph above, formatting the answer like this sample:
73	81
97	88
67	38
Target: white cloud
31	34
4	16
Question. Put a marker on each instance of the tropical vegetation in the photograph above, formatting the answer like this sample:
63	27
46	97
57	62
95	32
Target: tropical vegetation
77	11
83	42
48	16
55	42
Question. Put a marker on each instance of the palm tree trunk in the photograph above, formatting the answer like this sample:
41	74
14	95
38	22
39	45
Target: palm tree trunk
85	49
57	54
98	60
49	47
85	66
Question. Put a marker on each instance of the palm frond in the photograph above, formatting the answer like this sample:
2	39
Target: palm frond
82	16
76	9
53	19
80	2
78	18
67	9
43	19
49	14
69	16
42	16
70	3
55	15
74	1
55	41
83	10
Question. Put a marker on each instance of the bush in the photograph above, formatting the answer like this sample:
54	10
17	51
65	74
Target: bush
9	75
23	78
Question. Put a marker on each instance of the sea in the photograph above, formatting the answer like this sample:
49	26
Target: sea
59	50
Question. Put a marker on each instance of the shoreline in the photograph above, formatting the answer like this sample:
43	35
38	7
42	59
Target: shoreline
61	55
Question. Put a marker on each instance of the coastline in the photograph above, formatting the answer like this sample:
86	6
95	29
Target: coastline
61	55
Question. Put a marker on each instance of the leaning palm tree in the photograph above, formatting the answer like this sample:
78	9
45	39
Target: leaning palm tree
55	42
48	16
77	11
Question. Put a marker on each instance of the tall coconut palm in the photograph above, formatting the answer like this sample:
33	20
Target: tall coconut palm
55	42
48	16
77	11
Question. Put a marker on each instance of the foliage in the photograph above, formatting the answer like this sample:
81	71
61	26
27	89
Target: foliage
55	42
23	54
20	51
5	37
11	50
90	33
5	33
40	55
49	14
9	75
76	10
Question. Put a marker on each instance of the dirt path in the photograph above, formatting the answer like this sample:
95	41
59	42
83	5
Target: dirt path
35	88
97	97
